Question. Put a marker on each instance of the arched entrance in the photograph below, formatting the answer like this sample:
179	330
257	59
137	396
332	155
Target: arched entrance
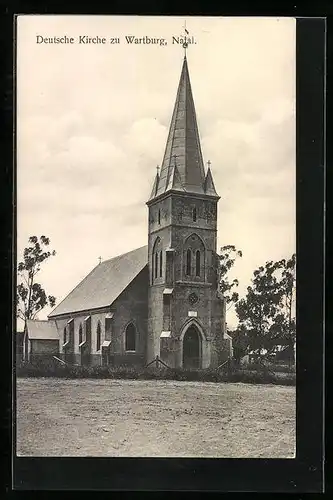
192	348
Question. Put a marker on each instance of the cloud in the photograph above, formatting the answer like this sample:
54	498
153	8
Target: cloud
93	122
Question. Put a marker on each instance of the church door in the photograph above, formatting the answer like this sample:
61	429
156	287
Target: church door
192	348
85	356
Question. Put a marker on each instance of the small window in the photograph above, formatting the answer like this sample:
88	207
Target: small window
188	262
159	216
197	263
194	214
161	263
156	264
130	337
65	335
80	335
98	337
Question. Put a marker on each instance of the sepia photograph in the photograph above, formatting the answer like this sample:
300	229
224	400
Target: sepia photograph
156	236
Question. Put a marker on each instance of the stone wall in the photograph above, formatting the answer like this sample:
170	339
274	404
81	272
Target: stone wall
175	230
130	307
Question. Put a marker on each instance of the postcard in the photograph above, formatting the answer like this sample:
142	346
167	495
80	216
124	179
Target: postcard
156	237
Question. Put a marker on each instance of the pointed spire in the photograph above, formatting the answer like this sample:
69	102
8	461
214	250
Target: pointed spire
209	183
155	185
183	143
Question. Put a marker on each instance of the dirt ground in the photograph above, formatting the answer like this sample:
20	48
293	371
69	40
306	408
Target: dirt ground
58	417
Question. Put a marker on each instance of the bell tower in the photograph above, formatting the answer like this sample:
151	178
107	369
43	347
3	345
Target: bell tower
186	317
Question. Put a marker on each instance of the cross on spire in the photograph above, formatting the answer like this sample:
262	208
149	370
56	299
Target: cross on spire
209	163
100	259
185	44
157	169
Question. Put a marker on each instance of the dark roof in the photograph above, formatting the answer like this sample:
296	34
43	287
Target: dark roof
182	168
104	283
209	184
42	330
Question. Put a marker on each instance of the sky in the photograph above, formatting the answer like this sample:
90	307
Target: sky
92	124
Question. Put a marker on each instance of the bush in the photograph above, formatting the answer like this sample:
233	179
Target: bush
48	368
271	367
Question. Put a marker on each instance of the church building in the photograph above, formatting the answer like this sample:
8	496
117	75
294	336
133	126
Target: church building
162	299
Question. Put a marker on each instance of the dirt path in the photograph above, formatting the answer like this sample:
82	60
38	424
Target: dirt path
57	417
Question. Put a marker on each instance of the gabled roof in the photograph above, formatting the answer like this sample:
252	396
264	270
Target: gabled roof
42	330
104	283
175	182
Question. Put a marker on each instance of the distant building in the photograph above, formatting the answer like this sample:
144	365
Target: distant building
162	299
41	338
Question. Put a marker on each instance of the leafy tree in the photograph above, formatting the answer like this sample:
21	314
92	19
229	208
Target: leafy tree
266	312
287	291
227	259
240	343
257	311
31	296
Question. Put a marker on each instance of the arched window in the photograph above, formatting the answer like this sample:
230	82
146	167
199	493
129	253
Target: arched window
156	263
159	216
197	263
80	335
188	262
130	337
161	263
194	258
194	214
98	337
65	335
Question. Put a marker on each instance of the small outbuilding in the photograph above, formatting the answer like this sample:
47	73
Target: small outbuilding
41	339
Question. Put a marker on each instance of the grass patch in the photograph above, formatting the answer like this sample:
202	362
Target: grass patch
49	368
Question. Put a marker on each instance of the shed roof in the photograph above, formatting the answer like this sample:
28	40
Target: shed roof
42	330
104	283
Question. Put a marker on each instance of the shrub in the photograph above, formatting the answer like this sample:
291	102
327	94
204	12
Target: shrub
47	368
271	367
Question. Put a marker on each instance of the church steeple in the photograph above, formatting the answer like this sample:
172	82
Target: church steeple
182	168
182	241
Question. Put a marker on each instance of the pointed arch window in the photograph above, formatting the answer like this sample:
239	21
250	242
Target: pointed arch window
159	216
197	262
65	335
80	335
194	214
157	259
161	263
98	336
156	263
188	262
194	258
130	338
